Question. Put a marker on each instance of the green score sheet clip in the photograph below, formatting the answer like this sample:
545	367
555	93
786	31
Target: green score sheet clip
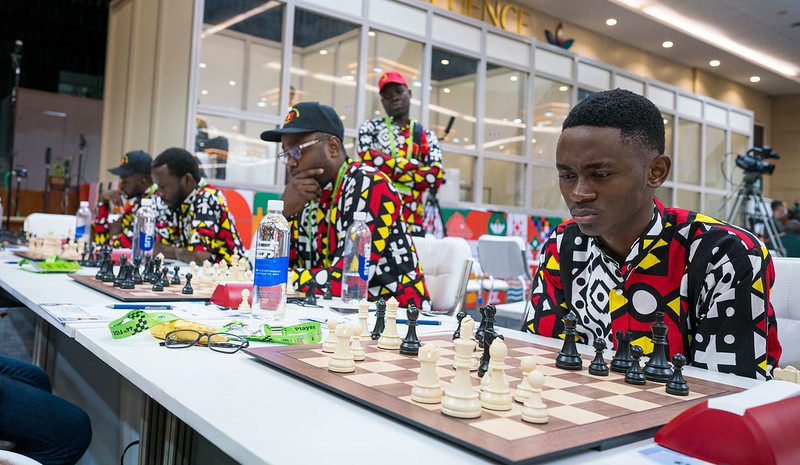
304	333
136	321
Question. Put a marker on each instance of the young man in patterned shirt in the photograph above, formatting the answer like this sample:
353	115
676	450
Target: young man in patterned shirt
400	147
625	256
135	184
195	223
320	199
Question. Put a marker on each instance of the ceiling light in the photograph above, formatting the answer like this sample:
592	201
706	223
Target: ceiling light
513	78
667	44
202	65
456	140
371	33
377	69
755	78
323	52
466	139
517	120
548	114
261	104
611	22
445	62
417	84
501	147
234	127
342	117
231	83
203	92
446	90
377	113
533	141
713	63
666	121
563	88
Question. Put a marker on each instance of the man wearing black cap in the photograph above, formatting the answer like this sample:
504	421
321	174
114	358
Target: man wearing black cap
402	148
321	198
135	184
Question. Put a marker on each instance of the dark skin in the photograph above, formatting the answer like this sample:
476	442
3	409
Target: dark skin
174	190
396	100
608	184
318	165
132	185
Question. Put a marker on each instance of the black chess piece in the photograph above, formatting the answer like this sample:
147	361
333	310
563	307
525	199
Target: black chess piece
311	294
490	311
328	295
483	367
101	272
410	344
634	375
176	279
187	288
155	275
460	316
568	357
137	277
481	327
677	385
158	285
147	274
127	279
121	274
380	323
108	274
621	360
164	278
657	368
598	367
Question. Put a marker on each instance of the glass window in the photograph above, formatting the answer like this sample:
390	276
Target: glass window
263	77
503	182
459	179
715	206
545	192
739	145
551	101
504	122
388	52
453	96
688	169
325	63
715	157
664	194
669	127
688	200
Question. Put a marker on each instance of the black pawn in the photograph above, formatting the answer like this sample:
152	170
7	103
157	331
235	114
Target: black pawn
176	279
569	358
137	277
483	367
127	279
598	367
121	274
158	286
657	368
481	327
155	274
101	273
634	375
187	288
460	316
328	295
311	293
380	323
621	360
410	344
164	278
108	274
677	385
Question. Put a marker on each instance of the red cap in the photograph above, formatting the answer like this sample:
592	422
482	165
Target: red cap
391	77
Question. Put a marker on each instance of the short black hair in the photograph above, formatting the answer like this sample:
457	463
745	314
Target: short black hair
776	203
638	119
179	162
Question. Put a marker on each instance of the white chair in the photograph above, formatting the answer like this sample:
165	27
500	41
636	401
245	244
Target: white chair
446	264
10	458
785	300
503	257
42	224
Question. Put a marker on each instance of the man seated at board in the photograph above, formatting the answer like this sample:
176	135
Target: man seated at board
624	256
194	223
322	195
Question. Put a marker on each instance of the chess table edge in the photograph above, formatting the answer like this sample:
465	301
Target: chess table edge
90	282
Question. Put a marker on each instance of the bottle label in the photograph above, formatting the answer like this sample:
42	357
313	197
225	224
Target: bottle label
271	271
363	267
146	241
80	231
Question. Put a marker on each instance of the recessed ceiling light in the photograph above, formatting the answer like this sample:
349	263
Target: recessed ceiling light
755	78
445	62
377	69
456	140
261	103
667	44
202	65
417	84
371	33
611	22
231	83
533	140
203	92
548	114
323	52
514	78
342	117
713	63
377	113
446	90
517	120
502	147
563	88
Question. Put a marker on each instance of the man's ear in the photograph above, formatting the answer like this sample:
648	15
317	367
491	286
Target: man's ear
658	170
188	182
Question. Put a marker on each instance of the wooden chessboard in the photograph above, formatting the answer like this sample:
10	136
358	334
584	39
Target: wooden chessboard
30	255
585	411
143	292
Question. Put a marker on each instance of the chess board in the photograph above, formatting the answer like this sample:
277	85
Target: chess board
143	292
31	255
585	411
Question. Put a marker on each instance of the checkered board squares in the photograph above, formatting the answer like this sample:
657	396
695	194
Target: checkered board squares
143	292
585	411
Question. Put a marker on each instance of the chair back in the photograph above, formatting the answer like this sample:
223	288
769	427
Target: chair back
502	256
42	224
785	298
446	264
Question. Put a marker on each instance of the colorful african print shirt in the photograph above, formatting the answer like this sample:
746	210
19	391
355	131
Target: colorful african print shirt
712	281
412	174
203	223
318	238
102	225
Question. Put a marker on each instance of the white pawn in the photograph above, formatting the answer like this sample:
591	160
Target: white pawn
330	343
496	395
363	314
460	398
207	278
355	346
216	274
523	391
534	410
223	270
193	268
342	359
789	374
389	339
244	306
427	389
467	329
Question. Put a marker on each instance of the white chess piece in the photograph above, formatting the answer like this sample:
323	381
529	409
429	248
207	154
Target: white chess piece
216	274
355	346
207	278
528	364
342	359
363	314
330	343
534	410
427	389
789	374
160	258
460	398
496	395
244	266
223	270
244	306
467	330
389	339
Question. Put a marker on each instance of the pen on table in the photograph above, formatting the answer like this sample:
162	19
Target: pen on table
420	322
139	307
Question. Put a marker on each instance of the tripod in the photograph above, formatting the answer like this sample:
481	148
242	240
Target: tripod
750	192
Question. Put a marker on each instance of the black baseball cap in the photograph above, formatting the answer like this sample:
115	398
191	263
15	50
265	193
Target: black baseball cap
308	117
137	161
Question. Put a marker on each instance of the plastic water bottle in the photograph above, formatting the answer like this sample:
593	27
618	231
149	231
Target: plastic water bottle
357	249
83	220
144	230
271	266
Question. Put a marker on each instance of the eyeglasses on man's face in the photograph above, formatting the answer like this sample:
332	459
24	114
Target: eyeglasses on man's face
219	342
297	151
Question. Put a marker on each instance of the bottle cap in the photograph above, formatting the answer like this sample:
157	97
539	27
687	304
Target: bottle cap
147	202
360	216
84	203
275	205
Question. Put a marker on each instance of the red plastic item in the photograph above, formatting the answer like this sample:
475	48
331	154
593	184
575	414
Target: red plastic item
230	294
117	254
764	435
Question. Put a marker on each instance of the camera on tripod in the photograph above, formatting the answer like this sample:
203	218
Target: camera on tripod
753	161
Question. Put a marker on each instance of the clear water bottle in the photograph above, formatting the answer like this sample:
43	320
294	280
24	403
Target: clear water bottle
83	221
144	230
271	268
357	249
